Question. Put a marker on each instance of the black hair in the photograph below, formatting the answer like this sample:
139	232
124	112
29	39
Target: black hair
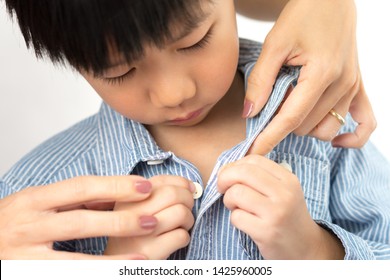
81	32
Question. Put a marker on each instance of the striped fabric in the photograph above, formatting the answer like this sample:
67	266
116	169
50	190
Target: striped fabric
347	191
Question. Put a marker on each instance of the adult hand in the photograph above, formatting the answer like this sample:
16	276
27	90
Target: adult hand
170	204
320	36
32	219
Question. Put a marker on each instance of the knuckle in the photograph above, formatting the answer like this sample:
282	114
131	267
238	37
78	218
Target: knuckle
329	72
185	217
182	237
235	217
275	40
372	124
13	236
121	224
74	224
24	199
300	131
256	79
181	212
293	121
350	84
171	194
78	188
324	135
237	191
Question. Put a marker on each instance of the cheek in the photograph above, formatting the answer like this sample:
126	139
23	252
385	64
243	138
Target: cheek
122	99
219	69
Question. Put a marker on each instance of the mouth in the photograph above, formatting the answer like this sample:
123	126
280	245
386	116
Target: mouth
189	117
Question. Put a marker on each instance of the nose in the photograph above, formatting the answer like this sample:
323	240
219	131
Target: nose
170	90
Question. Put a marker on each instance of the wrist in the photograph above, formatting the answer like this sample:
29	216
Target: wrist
329	246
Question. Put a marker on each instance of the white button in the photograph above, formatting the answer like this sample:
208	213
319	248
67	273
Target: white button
155	162
198	190
285	165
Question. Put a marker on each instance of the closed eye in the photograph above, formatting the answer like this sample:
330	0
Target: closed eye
120	79
201	44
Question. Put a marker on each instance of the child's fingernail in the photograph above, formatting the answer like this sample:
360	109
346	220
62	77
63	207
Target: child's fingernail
147	222
248	108
143	186
192	187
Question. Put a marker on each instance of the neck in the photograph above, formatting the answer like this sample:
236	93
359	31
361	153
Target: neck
202	144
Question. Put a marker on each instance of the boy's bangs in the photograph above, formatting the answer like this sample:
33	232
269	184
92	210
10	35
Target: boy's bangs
83	32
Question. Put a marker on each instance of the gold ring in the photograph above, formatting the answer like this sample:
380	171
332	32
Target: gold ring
337	116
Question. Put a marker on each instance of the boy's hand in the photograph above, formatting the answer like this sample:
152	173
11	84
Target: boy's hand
32	219
170	204
268	204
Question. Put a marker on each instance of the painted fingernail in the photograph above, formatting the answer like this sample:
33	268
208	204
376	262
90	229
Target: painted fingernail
143	186
248	108
147	222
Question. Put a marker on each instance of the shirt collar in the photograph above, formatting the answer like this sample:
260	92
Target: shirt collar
124	143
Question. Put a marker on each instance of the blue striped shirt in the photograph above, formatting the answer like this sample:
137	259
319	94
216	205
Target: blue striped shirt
347	191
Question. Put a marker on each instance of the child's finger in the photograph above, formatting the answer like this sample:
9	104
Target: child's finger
161	247
248	223
242	197
177	216
250	175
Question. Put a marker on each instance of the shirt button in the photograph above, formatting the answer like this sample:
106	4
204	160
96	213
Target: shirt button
198	190
155	162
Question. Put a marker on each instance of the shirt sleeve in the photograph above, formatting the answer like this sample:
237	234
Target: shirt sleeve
359	203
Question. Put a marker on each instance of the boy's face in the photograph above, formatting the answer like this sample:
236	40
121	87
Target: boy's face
180	83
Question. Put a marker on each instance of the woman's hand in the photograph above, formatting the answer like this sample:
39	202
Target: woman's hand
32	219
320	36
170	204
268	204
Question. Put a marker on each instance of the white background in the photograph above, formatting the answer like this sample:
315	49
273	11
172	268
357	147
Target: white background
38	100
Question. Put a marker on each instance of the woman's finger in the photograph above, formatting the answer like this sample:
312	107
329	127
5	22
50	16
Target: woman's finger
292	112
62	255
80	190
361	111
263	76
80	224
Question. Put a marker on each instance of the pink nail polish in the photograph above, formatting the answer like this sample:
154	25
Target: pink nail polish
147	222
248	107
143	186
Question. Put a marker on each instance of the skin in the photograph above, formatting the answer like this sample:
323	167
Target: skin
330	75
267	203
32	219
340	85
207	79
170	203
185	79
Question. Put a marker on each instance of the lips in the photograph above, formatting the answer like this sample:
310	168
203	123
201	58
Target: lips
189	117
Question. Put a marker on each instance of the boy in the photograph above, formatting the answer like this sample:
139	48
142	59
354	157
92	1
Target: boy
172	76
